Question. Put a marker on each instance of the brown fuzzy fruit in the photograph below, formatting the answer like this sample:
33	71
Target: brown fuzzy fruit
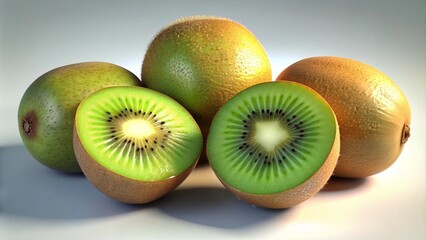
372	111
202	62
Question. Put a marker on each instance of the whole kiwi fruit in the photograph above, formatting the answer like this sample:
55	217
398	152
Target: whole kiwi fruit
372	111
47	108
135	144
274	144
203	61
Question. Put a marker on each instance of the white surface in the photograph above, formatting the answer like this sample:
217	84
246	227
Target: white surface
38	203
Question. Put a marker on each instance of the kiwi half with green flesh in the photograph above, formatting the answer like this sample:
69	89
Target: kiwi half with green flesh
135	144
274	144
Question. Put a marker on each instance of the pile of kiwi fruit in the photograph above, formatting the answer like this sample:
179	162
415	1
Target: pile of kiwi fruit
206	95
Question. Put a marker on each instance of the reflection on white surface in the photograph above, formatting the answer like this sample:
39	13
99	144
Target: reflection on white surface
49	203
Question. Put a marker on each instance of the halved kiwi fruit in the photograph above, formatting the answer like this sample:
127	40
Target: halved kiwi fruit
274	144
135	144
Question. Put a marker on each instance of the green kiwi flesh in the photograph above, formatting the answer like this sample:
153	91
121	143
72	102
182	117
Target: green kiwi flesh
272	138
140	139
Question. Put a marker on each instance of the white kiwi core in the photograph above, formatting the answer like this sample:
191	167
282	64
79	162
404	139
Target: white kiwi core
138	128
270	134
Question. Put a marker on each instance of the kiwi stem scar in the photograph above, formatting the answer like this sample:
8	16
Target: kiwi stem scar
405	134
29	124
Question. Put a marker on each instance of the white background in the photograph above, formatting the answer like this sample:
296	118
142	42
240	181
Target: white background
38	203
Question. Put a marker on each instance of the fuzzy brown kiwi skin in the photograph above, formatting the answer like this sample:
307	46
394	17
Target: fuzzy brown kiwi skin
373	112
296	195
121	188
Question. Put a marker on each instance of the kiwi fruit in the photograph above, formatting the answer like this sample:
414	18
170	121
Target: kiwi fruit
47	108
372	111
274	145
135	144
203	61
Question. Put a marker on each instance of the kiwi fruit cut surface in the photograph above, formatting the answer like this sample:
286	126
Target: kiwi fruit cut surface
274	144
372	111
47	108
135	144
203	61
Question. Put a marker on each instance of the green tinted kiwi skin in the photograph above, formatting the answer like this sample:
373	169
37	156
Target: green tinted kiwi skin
302	192
47	108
